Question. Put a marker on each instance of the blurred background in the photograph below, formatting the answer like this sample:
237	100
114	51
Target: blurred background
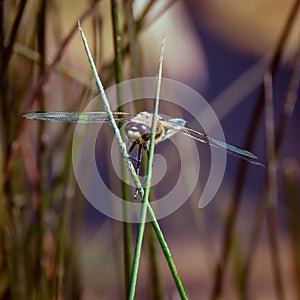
245	244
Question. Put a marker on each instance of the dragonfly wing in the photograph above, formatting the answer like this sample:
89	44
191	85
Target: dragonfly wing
78	117
234	150
171	127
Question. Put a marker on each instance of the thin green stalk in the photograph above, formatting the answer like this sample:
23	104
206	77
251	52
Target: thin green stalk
166	252
125	189
145	201
155	276
140	25
117	34
110	115
131	169
135	62
131	37
135	69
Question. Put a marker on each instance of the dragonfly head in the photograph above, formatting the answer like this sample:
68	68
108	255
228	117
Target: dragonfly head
137	132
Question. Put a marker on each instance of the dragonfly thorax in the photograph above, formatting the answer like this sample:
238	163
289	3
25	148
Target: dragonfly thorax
139	133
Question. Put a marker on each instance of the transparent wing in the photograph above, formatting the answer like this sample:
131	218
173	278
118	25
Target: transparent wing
78	117
177	125
234	150
171	126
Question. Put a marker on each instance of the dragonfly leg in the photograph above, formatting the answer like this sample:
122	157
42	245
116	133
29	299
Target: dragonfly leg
130	150
138	166
138	160
133	159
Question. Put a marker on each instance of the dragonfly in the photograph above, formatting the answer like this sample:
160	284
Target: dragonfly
138	128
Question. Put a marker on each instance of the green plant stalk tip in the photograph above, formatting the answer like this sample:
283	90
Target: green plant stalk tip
131	169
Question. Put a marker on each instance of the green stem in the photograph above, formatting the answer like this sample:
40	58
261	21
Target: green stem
131	169
110	115
145	201
155	277
125	188
167	253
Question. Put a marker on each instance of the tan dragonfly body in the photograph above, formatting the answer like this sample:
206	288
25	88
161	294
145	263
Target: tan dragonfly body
139	128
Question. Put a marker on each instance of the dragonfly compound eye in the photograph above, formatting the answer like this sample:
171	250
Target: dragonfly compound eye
137	132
